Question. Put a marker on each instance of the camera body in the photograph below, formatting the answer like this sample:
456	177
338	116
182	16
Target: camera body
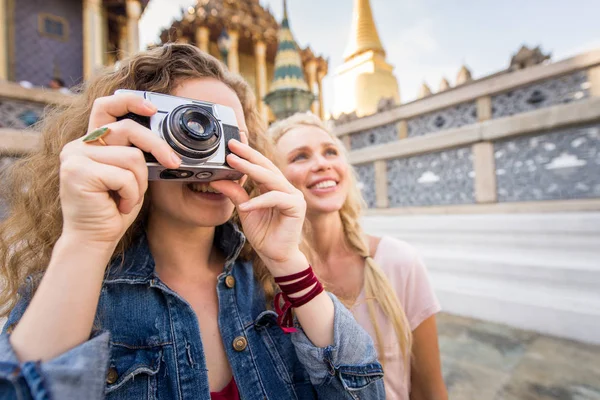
197	131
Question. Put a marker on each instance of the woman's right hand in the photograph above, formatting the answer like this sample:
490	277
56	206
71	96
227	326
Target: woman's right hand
102	187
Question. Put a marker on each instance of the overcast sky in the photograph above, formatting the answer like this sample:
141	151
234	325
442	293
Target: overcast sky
426	40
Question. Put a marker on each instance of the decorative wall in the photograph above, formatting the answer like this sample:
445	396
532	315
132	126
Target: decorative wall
39	58
561	90
366	181
18	114
451	117
557	165
379	135
432	179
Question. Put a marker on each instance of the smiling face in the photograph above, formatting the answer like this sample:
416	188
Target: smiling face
313	162
193	204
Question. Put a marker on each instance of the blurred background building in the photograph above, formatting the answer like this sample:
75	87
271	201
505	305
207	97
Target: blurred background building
496	180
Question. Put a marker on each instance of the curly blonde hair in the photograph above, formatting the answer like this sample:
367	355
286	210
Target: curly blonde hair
29	233
377	285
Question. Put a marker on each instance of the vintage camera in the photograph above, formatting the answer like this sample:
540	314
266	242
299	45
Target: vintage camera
197	131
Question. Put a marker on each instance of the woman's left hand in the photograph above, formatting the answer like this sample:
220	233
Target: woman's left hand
272	221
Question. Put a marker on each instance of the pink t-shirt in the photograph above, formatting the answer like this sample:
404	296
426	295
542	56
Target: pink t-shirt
406	271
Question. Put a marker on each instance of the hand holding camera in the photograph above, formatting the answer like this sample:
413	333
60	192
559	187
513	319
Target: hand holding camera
102	187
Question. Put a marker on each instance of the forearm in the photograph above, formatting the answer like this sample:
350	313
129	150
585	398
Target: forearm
317	316
61	313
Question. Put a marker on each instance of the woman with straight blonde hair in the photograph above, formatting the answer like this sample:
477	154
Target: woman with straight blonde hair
383	281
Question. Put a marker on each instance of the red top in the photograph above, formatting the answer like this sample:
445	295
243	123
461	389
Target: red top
229	392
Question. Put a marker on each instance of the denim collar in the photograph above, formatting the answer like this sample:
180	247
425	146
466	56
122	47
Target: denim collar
137	263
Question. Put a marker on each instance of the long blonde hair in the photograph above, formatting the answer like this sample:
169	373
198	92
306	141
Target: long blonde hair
29	233
377	285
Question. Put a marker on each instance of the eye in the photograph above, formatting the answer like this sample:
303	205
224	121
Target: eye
299	157
331	152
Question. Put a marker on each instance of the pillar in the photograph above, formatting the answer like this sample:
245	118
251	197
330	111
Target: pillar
93	53
232	58
311	76
484	163
485	172
402	129
3	40
484	108
134	12
594	79
202	38
260	54
381	189
320	76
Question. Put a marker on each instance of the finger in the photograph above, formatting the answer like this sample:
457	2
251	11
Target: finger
232	190
246	152
283	202
271	180
107	109
128	132
244	137
128	158
104	178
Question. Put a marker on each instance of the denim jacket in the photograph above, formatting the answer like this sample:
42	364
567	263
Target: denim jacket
146	343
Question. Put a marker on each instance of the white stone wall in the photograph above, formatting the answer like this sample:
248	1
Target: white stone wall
533	271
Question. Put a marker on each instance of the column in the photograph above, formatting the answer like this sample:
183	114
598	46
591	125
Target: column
320	76
484	163
3	40
93	53
123	46
311	77
485	172
381	189
202	38
232	58
260	54
134	12
594	79
402	129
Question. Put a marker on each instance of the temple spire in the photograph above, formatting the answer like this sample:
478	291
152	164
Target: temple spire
363	36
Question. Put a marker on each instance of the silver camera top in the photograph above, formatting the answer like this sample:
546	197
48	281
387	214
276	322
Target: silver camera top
198	131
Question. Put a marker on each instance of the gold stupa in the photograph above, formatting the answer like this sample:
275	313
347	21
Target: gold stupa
365	78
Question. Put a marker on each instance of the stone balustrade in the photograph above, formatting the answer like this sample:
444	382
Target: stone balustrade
531	135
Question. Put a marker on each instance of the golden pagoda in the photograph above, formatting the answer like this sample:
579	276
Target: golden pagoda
251	44
365	78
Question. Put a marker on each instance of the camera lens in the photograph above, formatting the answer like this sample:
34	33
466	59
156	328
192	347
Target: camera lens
193	131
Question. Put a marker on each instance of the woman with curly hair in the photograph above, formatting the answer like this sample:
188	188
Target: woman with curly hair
120	288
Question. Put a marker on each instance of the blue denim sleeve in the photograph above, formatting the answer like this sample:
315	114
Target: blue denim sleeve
79	373
348	369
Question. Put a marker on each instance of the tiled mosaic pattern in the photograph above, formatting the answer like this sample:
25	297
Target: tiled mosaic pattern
451	117
366	181
19	114
563	164
379	135
441	178
39	58
561	90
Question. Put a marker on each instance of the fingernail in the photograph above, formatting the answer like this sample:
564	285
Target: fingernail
149	105
176	159
244	206
233	140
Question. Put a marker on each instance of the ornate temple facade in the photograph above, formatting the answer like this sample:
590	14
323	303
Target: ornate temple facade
365	78
64	39
245	36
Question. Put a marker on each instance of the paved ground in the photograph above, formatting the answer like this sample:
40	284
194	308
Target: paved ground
486	361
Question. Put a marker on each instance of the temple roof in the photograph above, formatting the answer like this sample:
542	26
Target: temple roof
363	36
248	17
288	64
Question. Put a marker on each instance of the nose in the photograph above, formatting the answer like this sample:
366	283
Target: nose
321	163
